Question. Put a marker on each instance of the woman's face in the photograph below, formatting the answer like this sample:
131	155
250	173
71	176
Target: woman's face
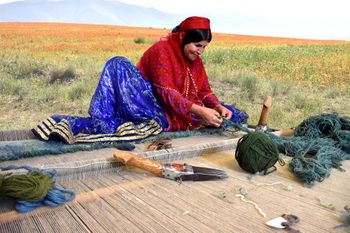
194	49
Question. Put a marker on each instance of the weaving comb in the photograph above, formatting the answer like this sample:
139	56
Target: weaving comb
173	171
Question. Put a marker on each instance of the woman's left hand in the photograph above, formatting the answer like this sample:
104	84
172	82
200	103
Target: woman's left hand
223	111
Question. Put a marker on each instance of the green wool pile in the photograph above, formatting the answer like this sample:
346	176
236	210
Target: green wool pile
320	143
30	187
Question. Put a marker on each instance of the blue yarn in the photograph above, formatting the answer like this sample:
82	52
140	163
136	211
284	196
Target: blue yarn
55	197
26	206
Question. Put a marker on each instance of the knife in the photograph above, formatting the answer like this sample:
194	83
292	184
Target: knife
172	171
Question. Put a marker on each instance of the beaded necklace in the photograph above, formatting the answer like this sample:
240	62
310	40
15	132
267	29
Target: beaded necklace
187	82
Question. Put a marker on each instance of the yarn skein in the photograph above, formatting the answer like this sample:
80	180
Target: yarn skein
255	152
32	187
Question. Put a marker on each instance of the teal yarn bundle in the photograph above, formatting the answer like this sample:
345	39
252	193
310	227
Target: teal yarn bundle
320	143
34	189
256	152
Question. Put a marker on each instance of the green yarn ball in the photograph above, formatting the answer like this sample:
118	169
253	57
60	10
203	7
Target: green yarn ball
256	152
30	187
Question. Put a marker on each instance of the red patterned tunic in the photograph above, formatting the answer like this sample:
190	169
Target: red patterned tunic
178	83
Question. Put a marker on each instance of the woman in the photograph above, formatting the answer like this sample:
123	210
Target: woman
124	106
175	69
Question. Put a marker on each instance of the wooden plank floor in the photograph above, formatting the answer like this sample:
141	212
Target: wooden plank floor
130	200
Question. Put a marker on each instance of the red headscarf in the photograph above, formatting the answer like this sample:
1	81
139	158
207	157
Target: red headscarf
194	22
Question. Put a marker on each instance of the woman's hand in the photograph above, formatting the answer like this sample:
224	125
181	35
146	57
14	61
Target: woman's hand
223	111
208	115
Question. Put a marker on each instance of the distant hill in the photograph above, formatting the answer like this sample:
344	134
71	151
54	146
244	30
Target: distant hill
85	11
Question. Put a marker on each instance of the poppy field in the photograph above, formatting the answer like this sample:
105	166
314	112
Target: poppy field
53	68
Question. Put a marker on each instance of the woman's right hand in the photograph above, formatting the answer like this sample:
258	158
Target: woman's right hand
208	115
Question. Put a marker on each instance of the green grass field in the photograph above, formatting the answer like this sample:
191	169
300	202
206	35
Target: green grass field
50	69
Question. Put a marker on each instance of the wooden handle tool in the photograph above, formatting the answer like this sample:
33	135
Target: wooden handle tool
130	159
171	171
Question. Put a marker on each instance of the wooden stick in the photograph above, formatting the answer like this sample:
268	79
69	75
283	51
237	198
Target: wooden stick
284	132
265	111
134	160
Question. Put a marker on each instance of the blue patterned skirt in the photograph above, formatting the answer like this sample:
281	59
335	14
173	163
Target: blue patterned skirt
123	108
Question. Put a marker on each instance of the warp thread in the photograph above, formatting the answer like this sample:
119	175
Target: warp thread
34	189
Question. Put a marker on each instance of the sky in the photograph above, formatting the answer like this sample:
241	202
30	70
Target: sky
293	18
313	19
